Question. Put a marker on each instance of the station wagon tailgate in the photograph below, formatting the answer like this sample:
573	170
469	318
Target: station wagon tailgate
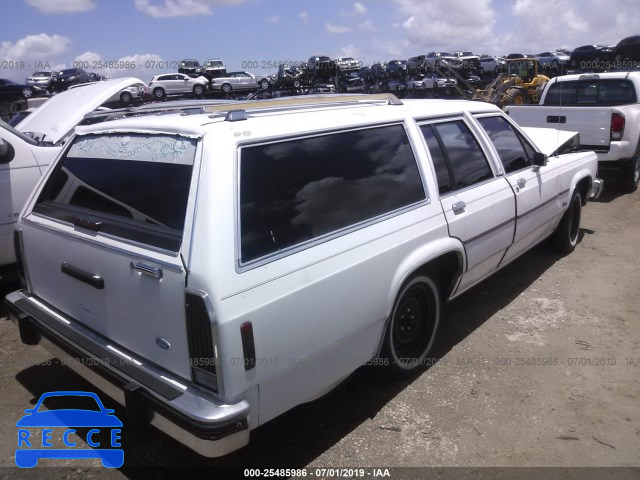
102	243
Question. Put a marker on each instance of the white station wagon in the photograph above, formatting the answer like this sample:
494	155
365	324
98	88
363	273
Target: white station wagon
211	271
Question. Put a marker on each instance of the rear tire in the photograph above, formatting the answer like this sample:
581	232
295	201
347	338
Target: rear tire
629	174
126	98
567	233
412	327
226	88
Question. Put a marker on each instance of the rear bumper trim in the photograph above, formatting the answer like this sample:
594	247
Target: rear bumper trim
210	428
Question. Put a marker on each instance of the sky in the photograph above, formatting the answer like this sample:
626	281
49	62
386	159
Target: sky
145	37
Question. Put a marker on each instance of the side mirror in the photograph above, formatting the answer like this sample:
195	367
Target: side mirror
539	159
6	152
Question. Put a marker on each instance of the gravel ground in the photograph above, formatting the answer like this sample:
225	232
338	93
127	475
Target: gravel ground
539	366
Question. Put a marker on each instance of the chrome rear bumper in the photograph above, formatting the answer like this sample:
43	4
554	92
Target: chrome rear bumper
149	394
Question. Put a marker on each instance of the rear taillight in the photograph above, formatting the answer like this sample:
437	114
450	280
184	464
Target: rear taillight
617	126
17	245
202	351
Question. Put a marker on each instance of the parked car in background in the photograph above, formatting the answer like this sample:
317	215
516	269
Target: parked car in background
492	65
416	82
135	93
321	66
378	72
347	64
466	60
352	83
416	65
604	108
214	68
177	84
436	59
553	60
628	49
190	66
10	91
67	77
435	80
239	81
397	69
40	81
97	77
591	58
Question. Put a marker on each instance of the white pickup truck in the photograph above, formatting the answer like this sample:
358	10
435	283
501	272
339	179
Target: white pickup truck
604	108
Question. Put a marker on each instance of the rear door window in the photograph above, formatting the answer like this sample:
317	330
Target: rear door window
301	189
133	186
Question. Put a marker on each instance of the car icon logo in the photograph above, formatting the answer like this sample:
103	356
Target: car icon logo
57	426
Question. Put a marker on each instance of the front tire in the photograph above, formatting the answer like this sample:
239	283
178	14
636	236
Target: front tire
198	90
226	88
264	84
565	238
158	93
413	326
513	96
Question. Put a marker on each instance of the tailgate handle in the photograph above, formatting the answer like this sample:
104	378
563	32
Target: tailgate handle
88	224
89	278
155	272
556	119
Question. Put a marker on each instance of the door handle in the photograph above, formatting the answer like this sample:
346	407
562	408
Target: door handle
522	182
458	207
155	272
89	278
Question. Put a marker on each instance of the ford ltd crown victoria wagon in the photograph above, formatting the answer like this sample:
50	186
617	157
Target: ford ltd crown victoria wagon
213	270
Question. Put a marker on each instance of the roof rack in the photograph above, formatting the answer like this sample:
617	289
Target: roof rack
178	106
238	110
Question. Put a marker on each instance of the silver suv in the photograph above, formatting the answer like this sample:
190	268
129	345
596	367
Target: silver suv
177	84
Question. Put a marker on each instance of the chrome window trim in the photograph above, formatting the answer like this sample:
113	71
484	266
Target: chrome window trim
241	267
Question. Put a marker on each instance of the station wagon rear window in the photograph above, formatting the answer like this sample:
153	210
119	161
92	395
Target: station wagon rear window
301	189
596	92
133	186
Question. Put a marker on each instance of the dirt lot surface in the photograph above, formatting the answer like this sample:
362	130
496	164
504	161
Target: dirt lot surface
538	366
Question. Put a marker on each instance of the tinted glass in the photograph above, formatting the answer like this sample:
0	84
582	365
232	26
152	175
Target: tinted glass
437	156
137	185
298	190
592	92
507	143
463	153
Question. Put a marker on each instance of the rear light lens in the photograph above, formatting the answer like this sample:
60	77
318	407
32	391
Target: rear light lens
617	126
201	346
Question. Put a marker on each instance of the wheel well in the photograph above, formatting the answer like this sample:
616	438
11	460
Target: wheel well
583	186
444	270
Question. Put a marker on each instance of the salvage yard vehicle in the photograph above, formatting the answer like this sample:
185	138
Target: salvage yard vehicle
604	108
214	68
27	150
177	84
189	303
239	81
520	85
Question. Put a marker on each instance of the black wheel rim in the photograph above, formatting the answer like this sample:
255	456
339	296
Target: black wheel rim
413	323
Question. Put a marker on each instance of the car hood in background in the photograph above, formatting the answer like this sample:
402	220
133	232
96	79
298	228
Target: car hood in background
549	140
57	117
